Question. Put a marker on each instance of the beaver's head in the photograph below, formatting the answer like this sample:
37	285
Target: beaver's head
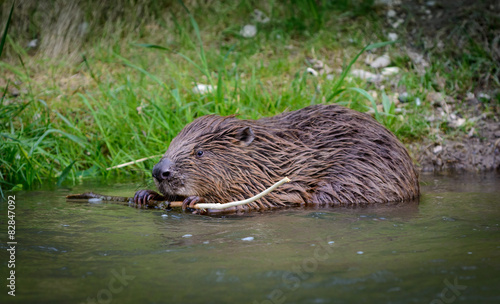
213	158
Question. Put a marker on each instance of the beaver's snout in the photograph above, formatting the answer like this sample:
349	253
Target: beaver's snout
163	170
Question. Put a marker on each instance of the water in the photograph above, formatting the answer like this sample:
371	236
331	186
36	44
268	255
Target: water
445	249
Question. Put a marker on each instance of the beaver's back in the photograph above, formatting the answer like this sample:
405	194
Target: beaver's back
350	157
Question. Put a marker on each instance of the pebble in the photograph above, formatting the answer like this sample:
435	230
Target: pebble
248	31
260	17
203	88
484	96
164	215
418	102
365	75
331	242
187	235
360	252
389	71
393	36
381	62
312	72
248	239
33	43
437	149
391	13
403	97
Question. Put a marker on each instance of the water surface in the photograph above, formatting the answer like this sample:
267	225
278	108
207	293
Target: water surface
443	249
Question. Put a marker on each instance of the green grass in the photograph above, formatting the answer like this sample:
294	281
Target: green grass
131	91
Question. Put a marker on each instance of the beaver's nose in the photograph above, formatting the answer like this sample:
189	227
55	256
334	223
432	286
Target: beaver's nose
163	169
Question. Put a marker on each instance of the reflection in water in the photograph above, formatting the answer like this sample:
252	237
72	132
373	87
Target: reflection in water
401	253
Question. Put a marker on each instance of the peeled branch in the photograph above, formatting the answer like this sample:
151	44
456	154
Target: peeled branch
94	197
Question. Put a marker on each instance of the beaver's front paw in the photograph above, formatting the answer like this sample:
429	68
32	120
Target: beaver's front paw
142	197
189	202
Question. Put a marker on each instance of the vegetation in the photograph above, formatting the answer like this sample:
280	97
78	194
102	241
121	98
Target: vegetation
118	87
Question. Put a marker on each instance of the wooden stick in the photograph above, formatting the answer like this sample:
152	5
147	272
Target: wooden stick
95	197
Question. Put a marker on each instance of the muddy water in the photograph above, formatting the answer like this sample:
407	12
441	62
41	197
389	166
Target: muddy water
443	249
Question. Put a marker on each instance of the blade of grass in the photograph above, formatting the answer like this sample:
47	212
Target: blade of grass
4	36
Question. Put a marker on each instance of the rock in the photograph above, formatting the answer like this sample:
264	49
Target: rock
483	96
391	13
366	75
260	17
248	239
369	58
312	72
203	88
497	134
437	149
403	97
392	36
381	62
248	31
389	71
418	102
32	44
319	66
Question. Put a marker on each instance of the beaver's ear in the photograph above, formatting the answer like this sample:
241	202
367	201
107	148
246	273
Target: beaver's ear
245	136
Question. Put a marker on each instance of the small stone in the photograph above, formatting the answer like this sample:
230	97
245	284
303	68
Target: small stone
497	134
389	71
331	242
248	31
32	44
393	36
403	97
360	252
203	88
369	58
381	62
330	77
483	96
248	239
366	75
312	72
437	149
458	122
391	13
187	235
260	17
418	102
164	215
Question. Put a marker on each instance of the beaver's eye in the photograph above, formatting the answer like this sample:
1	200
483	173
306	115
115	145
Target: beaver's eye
199	153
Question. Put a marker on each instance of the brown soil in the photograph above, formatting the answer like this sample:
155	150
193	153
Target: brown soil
474	146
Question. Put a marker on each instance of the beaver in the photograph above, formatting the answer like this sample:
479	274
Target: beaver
334	156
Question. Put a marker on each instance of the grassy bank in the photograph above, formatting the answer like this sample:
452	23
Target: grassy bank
125	89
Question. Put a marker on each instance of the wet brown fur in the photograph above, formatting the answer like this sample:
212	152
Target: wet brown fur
333	155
